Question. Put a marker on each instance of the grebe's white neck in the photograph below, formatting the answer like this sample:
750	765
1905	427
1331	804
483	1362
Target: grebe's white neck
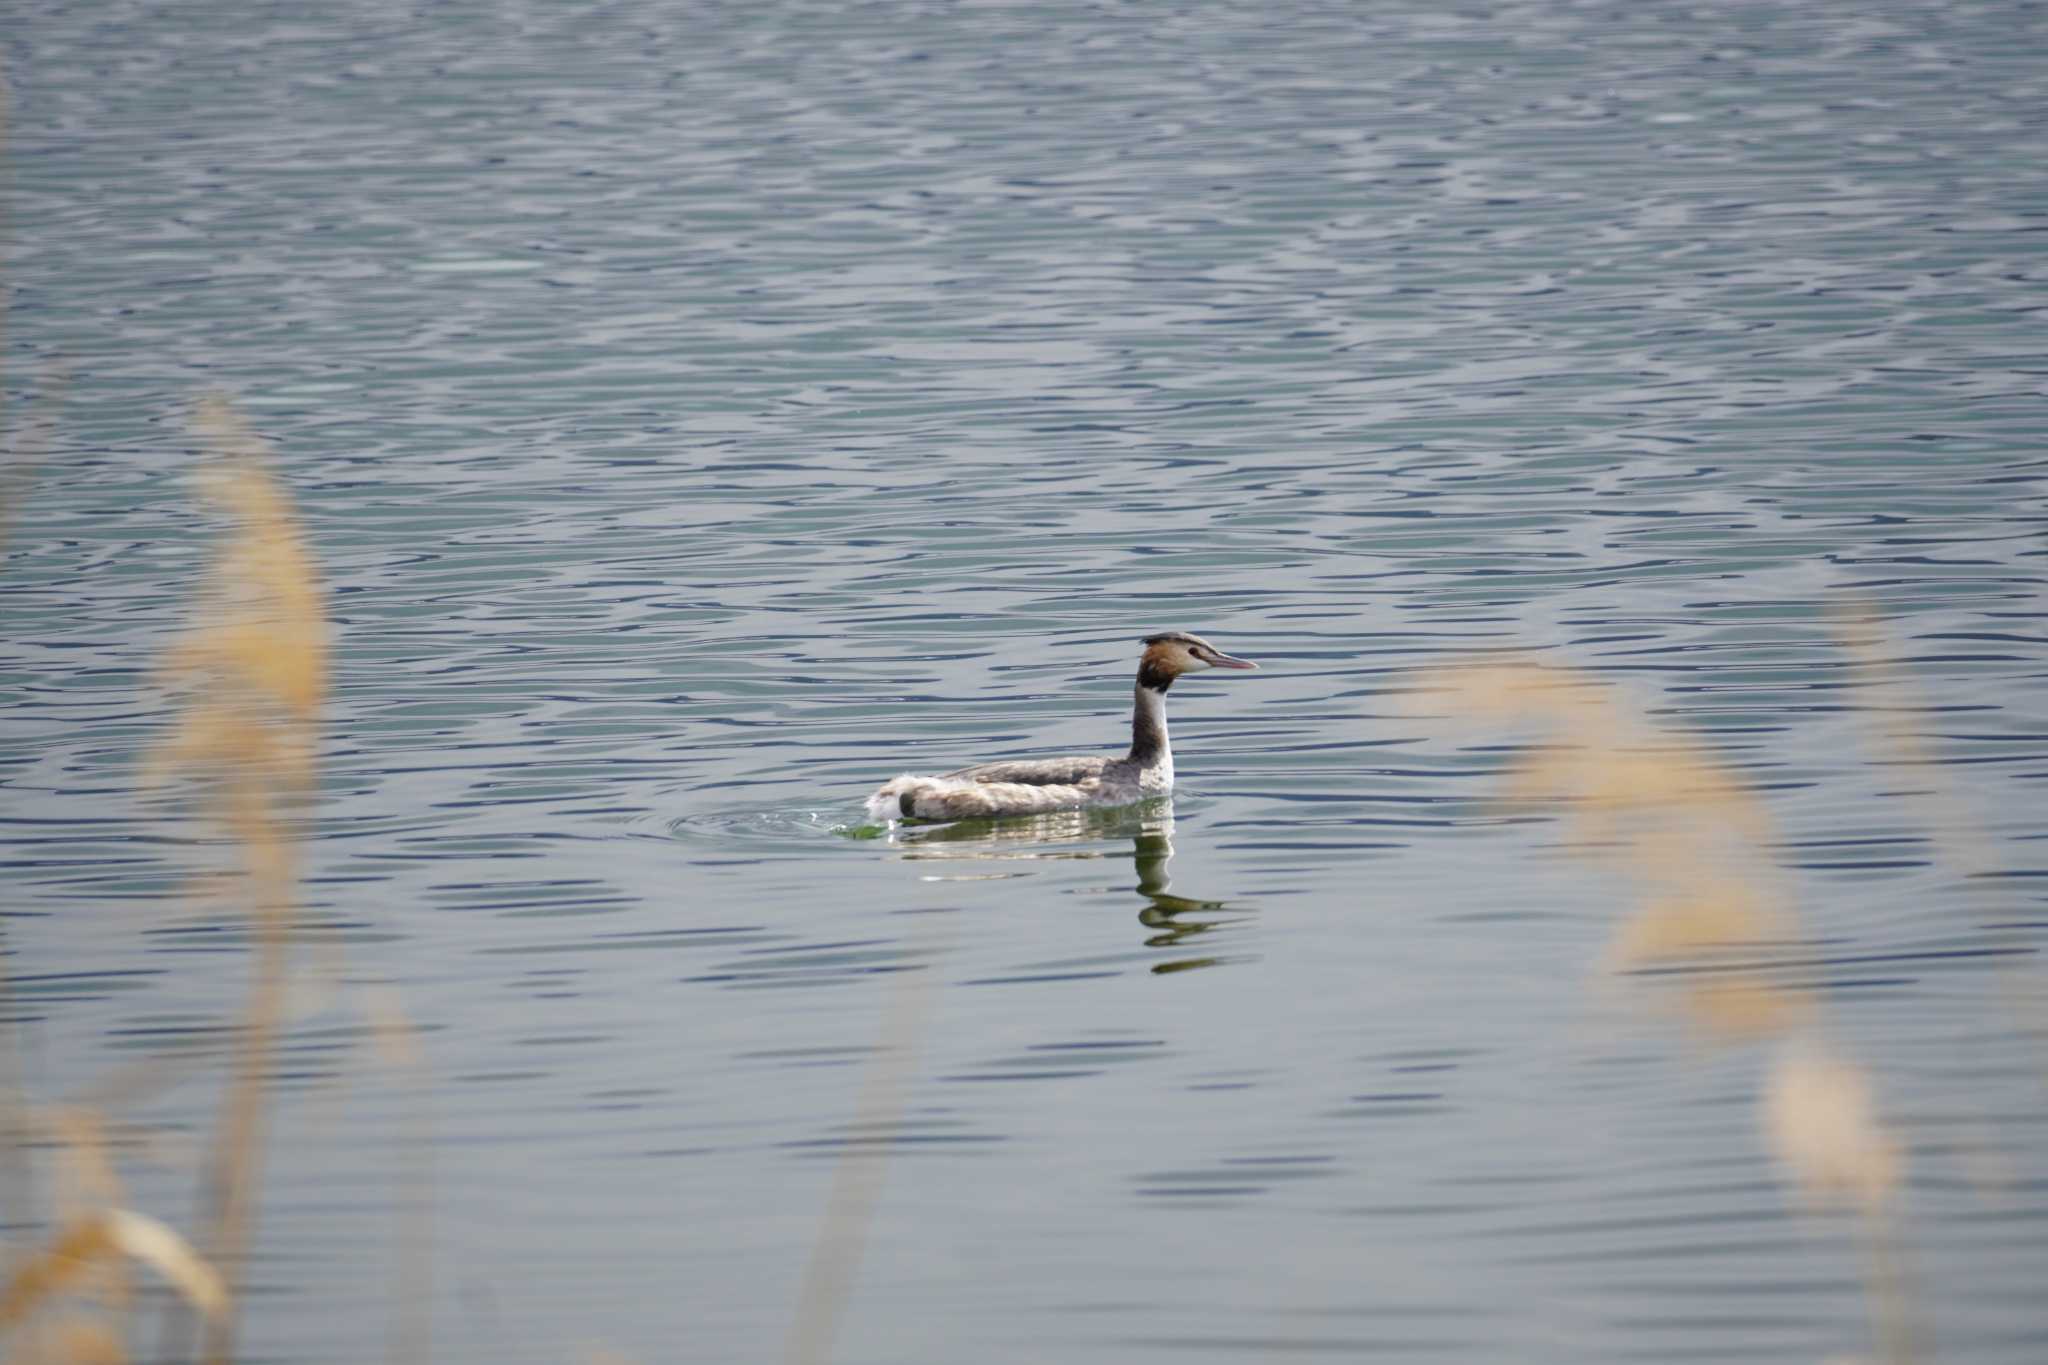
1150	747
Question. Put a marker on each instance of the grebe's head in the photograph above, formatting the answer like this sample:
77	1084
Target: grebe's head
1172	653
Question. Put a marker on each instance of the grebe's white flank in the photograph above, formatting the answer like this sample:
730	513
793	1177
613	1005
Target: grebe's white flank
1032	786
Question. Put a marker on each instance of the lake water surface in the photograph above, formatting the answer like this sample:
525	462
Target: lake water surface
703	412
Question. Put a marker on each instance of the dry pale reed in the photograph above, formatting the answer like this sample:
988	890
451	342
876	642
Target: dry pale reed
248	678
1708	913
1821	1119
1711	917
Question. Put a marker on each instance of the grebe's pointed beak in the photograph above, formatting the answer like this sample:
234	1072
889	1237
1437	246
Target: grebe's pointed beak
1216	658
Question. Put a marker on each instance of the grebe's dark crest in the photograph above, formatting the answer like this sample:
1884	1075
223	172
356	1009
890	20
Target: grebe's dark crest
1034	785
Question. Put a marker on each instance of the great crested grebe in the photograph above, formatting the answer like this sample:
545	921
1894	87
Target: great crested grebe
1031	786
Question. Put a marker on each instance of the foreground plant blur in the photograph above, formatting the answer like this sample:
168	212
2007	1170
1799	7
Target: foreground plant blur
1710	921
247	682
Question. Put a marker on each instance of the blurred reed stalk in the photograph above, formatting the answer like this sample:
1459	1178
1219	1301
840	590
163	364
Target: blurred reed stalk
863	1163
69	1298
1711	920
250	676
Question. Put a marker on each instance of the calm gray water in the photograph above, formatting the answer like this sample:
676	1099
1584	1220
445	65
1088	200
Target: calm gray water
704	412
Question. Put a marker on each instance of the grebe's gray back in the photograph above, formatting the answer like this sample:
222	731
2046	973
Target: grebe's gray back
1031	786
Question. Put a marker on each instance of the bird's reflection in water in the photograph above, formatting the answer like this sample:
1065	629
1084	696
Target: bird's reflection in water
1174	920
